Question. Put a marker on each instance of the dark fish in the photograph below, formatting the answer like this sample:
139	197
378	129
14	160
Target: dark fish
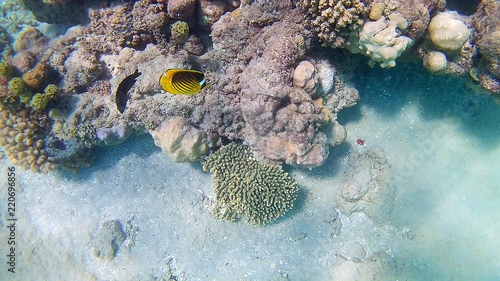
123	88
183	81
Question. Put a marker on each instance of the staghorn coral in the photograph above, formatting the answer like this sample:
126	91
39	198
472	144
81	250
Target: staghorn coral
21	137
333	20
180	141
244	186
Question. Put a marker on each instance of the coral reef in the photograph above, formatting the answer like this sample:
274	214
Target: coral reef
334	20
382	41
180	141
368	187
251	96
244	186
38	77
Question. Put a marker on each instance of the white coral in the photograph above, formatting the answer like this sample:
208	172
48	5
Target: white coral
381	40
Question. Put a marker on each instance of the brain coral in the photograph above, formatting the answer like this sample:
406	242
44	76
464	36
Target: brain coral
333	20
242	185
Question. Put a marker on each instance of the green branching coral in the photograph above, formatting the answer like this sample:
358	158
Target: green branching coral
51	91
180	31
17	86
39	101
334	20
243	185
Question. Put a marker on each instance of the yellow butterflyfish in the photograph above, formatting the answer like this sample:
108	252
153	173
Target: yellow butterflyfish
182	81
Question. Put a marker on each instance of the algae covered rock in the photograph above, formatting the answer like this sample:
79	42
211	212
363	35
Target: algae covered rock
243	185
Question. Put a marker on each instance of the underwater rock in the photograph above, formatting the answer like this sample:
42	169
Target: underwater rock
378	266
180	141
58	11
305	77
369	185
181	9
114	135
71	153
107	241
488	42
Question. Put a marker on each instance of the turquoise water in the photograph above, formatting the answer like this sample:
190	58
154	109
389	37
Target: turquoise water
440	139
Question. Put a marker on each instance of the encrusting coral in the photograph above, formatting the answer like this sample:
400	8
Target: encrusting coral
245	186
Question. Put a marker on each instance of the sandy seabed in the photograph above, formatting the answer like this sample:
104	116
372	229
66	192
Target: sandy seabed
441	139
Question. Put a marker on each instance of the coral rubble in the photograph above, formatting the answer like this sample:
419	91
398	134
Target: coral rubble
244	186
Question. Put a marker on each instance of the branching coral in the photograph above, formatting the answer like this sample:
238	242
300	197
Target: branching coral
333	20
242	185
